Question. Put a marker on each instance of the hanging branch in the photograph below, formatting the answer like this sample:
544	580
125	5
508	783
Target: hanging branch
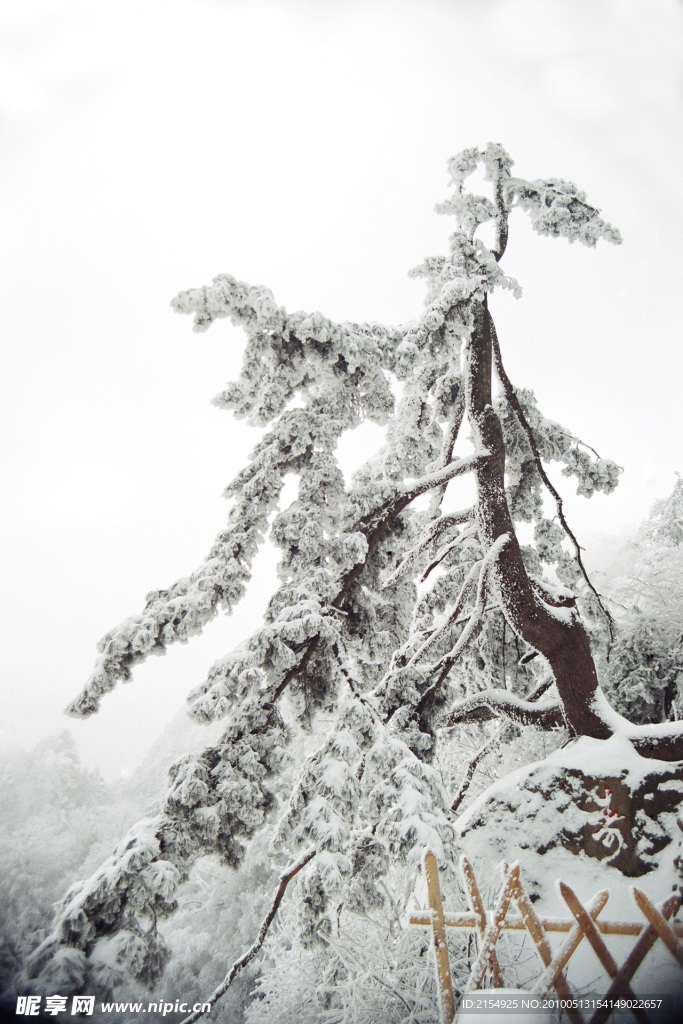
285	879
470	531
473	621
442	524
511	396
437	634
449	442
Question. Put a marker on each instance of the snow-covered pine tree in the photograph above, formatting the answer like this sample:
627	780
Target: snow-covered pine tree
644	675
384	582
58	818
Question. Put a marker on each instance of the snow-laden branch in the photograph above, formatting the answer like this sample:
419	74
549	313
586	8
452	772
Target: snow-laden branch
486	565
444	552
483	567
446	522
481	707
473	621
558	207
254	308
663	741
442	476
355	689
449	443
474	574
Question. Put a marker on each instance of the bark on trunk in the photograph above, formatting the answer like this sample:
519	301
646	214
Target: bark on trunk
556	633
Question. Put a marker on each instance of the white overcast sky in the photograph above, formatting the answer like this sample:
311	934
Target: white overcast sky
147	146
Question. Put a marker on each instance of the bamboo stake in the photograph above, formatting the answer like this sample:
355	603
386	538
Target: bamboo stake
480	914
659	923
490	937
568	947
597	942
535	929
647	939
443	967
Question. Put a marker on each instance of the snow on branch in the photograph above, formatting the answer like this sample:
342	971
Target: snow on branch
558	207
469	774
442	524
555	207
449	441
446	663
474	574
441	476
484	567
443	552
288	353
481	707
512	398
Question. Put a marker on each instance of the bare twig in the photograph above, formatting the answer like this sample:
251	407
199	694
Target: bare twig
469	774
285	879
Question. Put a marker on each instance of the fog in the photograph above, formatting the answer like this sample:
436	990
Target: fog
148	146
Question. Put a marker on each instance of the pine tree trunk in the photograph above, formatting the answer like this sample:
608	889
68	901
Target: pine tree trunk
557	634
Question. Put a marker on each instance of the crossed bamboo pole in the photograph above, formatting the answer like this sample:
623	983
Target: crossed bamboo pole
586	924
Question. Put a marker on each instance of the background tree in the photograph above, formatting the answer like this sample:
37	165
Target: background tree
384	581
644	675
58	819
